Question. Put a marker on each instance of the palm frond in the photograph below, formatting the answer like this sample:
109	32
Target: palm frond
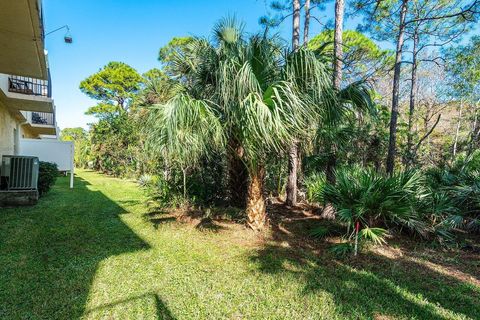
319	232
184	129
376	235
228	31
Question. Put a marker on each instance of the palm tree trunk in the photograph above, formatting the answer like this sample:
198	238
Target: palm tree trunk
392	147
330	168
256	207
293	154
237	174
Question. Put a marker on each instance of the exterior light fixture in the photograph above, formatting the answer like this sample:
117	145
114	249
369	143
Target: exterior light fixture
68	36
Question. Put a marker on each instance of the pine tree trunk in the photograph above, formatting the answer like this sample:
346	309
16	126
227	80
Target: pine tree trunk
237	175
338	44
457	131
306	26
296	25
413	91
256	207
392	145
293	154
474	133
337	75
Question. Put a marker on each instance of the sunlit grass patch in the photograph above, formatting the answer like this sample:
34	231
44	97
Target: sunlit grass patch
90	253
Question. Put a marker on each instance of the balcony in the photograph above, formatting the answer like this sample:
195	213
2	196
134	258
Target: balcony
24	93
30	86
40	123
43	118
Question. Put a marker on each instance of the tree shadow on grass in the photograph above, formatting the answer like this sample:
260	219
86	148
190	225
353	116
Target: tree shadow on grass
199	218
49	253
379	287
374	285
143	301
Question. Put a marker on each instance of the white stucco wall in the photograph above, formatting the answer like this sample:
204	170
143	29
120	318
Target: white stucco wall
7	126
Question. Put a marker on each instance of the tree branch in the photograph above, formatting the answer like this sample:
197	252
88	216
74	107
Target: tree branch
471	9
426	135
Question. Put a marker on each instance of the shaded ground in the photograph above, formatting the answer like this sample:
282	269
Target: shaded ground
97	252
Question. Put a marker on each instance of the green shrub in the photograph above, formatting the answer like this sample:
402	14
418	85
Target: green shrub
315	184
319	232
342	249
375	200
164	193
458	186
205	185
144	180
47	176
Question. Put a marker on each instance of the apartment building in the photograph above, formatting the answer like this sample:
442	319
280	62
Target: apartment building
28	129
27	109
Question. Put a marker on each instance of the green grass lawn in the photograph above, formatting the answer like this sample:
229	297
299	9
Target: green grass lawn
93	252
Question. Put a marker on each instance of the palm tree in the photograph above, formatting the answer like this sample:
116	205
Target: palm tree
338	109
250	92
182	131
338	120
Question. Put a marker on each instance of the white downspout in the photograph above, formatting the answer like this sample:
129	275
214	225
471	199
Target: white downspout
16	150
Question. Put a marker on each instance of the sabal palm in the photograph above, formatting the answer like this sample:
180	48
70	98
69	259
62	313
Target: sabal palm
337	120
247	92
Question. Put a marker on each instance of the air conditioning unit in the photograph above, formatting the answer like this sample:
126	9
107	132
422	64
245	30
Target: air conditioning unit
20	172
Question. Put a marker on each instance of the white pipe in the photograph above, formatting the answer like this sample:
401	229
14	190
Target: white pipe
72	164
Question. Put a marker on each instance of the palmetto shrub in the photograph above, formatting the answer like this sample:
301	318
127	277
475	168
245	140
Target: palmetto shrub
459	186
376	201
314	184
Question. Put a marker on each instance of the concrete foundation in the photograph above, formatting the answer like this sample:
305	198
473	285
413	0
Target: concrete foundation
18	198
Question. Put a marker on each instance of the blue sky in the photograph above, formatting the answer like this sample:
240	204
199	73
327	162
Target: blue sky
130	31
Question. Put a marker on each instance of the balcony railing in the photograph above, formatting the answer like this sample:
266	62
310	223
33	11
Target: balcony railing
44	118
30	86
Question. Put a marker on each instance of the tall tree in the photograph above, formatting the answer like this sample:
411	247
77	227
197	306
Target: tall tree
284	10
338	44
249	90
115	84
392	143
430	24
363	59
337	76
463	72
306	24
385	18
179	57
293	152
